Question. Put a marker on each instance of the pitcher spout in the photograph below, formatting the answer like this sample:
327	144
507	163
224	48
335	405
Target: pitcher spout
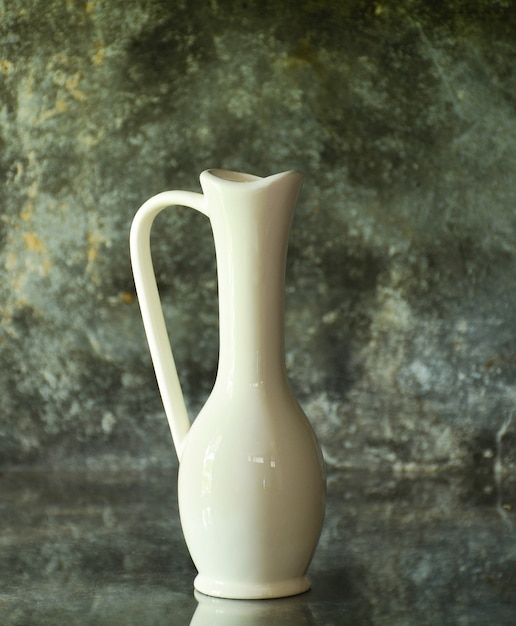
231	176
228	181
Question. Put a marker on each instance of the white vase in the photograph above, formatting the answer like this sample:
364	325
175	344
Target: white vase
251	475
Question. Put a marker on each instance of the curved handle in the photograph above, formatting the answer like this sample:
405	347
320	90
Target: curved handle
152	313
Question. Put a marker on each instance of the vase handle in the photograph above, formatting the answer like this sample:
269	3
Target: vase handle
152	312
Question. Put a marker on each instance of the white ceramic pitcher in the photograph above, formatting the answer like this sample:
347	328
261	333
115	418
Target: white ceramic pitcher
251	475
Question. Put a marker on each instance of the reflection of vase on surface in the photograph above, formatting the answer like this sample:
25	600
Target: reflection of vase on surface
251	478
221	612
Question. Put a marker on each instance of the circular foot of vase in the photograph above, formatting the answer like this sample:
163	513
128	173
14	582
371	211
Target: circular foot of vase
251	591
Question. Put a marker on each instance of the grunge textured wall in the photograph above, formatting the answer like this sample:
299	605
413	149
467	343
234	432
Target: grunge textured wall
401	329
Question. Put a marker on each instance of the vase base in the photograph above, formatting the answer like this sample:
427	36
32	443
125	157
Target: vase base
251	591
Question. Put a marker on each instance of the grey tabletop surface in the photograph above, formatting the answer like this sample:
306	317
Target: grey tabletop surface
107	548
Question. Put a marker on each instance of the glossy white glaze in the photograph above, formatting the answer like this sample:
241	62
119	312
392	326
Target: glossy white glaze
251	475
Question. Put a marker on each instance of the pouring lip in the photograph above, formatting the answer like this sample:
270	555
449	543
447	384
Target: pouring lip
230	177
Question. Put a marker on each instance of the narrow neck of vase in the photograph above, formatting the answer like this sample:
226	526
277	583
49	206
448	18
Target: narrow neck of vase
251	224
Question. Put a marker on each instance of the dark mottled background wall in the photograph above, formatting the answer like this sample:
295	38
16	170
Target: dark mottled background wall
401	333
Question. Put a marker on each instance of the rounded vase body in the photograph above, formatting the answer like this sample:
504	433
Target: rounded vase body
251	495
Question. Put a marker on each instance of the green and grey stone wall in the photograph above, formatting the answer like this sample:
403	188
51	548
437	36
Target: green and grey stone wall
401	325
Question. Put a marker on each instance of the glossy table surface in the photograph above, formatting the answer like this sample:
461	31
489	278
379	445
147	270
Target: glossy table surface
96	548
